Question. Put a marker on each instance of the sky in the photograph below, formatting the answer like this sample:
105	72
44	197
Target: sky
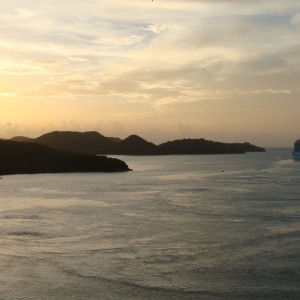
225	70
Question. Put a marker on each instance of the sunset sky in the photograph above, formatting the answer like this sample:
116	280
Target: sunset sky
226	70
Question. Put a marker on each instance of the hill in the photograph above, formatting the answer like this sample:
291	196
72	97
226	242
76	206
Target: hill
247	147
21	139
202	146
30	158
90	142
135	145
198	146
95	143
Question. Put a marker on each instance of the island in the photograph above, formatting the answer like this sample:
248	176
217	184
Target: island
32	158
93	142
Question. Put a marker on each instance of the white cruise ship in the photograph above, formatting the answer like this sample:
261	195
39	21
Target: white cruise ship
296	152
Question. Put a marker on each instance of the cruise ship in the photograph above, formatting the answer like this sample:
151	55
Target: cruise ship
296	152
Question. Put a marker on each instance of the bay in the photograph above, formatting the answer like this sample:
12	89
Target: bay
176	227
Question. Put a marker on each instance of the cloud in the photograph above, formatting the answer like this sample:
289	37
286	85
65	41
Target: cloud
265	62
8	128
295	20
118	40
271	91
155	28
165	57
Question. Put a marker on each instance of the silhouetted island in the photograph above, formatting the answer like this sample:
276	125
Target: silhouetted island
93	142
202	146
31	158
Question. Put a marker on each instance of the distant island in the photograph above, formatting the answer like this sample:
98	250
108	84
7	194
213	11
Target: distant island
31	158
93	142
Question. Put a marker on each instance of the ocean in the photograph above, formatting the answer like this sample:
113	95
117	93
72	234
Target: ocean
176	227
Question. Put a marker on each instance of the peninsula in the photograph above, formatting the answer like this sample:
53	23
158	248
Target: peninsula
31	158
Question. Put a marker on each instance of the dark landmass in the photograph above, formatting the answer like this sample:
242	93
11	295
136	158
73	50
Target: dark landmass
90	142
21	139
135	145
94	143
115	139
202	146
32	158
247	147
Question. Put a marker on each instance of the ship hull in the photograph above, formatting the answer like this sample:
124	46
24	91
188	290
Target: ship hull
296	152
296	155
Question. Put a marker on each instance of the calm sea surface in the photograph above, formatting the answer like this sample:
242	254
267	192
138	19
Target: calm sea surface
177	227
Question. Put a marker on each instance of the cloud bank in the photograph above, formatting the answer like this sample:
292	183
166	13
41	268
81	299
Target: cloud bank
210	67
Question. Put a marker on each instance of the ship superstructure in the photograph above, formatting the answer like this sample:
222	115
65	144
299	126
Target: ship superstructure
296	152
